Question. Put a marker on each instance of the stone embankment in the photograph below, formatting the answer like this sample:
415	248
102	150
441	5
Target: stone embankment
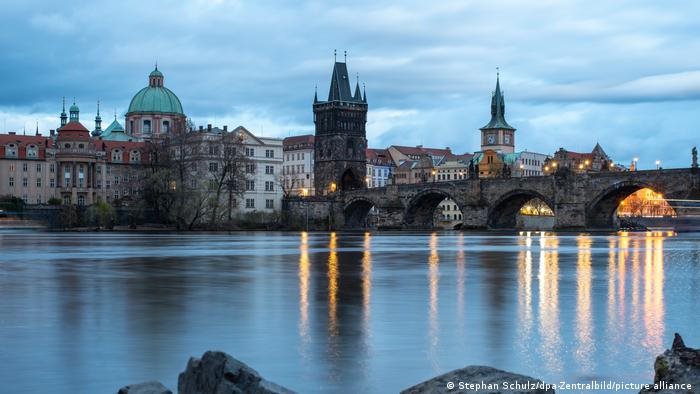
215	373
477	378
677	370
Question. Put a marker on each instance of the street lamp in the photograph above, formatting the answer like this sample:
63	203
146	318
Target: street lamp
434	172
658	164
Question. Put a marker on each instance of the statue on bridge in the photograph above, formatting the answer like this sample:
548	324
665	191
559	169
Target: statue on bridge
695	157
472	170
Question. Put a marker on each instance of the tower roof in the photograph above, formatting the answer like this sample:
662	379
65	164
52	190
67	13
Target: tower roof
155	98
340	84
498	110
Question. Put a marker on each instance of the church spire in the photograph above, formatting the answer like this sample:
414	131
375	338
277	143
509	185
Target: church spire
98	121
315	94
498	108
64	117
358	95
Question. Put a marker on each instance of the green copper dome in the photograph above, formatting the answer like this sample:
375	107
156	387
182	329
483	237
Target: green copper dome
155	98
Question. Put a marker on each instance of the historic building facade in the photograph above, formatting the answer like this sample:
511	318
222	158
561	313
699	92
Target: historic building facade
298	168
340	138
380	168
155	110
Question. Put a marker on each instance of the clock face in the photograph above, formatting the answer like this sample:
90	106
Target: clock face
491	139
507	139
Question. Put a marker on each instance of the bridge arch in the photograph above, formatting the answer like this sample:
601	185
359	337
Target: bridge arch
356	211
420	210
502	213
600	211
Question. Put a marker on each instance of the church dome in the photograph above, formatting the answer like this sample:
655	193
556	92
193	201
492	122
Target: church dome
155	98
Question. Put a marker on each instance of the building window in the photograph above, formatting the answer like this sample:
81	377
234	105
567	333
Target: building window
52	183
269	169
269	153
166	126
131	126
12	182
146	126
32	152
135	156
269	186
66	200
25	182
250	203
250	152
194	183
117	156
250	185
38	182
213	167
107	184
12	167
12	151
81	200
116	180
250	168
269	204
24	167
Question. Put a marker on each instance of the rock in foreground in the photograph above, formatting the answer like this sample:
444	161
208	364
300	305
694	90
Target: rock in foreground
490	381
145	388
219	373
677	366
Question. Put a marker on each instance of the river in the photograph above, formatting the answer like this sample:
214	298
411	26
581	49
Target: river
340	312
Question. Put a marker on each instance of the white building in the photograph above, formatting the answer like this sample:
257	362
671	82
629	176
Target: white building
529	164
379	168
263	191
298	165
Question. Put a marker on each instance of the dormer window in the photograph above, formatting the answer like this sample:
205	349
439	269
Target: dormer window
116	155
32	152
11	150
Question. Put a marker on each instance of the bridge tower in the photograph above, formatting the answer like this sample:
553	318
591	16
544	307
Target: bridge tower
498	134
340	140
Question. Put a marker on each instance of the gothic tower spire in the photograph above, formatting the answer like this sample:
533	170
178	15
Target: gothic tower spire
498	134
64	117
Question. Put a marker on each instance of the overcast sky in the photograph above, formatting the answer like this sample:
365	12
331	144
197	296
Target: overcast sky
624	73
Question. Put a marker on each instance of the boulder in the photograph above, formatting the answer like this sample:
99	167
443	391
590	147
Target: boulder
679	365
483	380
145	388
219	373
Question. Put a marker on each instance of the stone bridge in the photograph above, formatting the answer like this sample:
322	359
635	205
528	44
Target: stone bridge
578	201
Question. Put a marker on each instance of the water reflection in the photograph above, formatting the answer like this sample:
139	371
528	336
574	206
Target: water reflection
346	312
525	290
304	273
549	302
332	291
366	284
584	317
433	281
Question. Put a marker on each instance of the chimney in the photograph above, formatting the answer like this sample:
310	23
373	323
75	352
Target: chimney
209	127
201	128
225	128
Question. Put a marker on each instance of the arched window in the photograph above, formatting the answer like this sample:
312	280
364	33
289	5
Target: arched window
166	126
116	155
135	156
32	152
11	150
146	126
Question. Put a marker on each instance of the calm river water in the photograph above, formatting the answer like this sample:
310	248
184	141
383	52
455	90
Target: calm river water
345	312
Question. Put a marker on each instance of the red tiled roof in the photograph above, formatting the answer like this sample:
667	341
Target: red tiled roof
73	131
125	146
22	142
417	150
294	141
378	156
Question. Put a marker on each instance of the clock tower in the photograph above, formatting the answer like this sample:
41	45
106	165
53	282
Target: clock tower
498	134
